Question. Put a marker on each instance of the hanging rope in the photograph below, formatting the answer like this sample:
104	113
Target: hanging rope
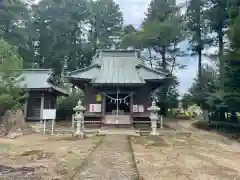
117	99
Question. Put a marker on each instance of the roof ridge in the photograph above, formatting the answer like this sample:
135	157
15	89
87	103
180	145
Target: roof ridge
32	69
85	68
144	66
117	50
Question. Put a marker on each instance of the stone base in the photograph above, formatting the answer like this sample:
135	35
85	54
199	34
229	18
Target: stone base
154	133
79	134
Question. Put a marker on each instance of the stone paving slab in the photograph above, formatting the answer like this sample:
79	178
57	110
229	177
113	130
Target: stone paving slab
111	131
112	160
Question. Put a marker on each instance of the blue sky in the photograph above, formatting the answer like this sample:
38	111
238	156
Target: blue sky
134	13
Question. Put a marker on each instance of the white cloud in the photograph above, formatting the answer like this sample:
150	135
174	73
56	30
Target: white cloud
133	10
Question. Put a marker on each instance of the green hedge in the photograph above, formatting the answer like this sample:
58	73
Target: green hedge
65	105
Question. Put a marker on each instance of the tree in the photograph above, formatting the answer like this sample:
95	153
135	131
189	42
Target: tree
168	9
162	30
219	19
208	90
10	94
52	33
197	26
58	27
187	100
232	75
9	61
173	95
129	29
106	23
13	17
66	104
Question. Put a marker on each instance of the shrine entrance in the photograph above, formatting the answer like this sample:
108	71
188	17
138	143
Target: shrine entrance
118	108
123	105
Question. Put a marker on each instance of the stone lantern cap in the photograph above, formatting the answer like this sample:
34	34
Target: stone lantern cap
153	107
79	106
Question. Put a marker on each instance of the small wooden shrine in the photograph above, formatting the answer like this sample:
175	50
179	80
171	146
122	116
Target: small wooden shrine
41	90
117	87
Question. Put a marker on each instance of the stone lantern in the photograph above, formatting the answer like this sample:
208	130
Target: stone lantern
154	117
79	110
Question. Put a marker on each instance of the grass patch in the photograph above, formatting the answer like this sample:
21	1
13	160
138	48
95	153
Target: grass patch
5	147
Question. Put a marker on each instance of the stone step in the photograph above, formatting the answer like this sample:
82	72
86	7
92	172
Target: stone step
120	119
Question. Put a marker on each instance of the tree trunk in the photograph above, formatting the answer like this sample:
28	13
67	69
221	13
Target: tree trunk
164	108
150	58
220	56
13	122
200	69
205	116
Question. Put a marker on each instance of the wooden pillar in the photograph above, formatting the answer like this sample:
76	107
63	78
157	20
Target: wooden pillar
25	108
131	107
54	106
103	108
42	106
86	97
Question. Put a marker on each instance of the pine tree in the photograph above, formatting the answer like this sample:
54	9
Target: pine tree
232	65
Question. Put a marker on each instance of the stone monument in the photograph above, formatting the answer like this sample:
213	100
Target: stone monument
154	117
79	111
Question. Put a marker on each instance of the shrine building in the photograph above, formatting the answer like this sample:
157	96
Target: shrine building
42	92
118	87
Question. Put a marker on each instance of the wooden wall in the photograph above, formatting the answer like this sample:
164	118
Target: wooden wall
141	96
34	103
90	96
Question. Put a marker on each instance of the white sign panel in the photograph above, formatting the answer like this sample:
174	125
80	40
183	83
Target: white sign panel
95	108
140	108
135	108
49	113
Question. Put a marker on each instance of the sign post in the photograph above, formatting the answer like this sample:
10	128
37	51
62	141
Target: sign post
49	114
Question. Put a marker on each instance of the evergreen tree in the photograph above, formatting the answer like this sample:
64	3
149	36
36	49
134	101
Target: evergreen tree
198	31
232	65
106	23
13	18
10	94
218	16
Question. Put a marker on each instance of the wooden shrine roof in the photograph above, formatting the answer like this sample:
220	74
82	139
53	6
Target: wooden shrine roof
117	67
37	79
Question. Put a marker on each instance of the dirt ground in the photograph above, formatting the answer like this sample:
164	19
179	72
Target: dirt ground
197	156
48	157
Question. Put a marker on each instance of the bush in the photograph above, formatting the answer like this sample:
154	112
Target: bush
65	105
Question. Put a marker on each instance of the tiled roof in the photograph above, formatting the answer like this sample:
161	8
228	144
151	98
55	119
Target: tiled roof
38	79
117	67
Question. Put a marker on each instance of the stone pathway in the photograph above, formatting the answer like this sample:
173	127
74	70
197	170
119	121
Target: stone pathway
112	160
